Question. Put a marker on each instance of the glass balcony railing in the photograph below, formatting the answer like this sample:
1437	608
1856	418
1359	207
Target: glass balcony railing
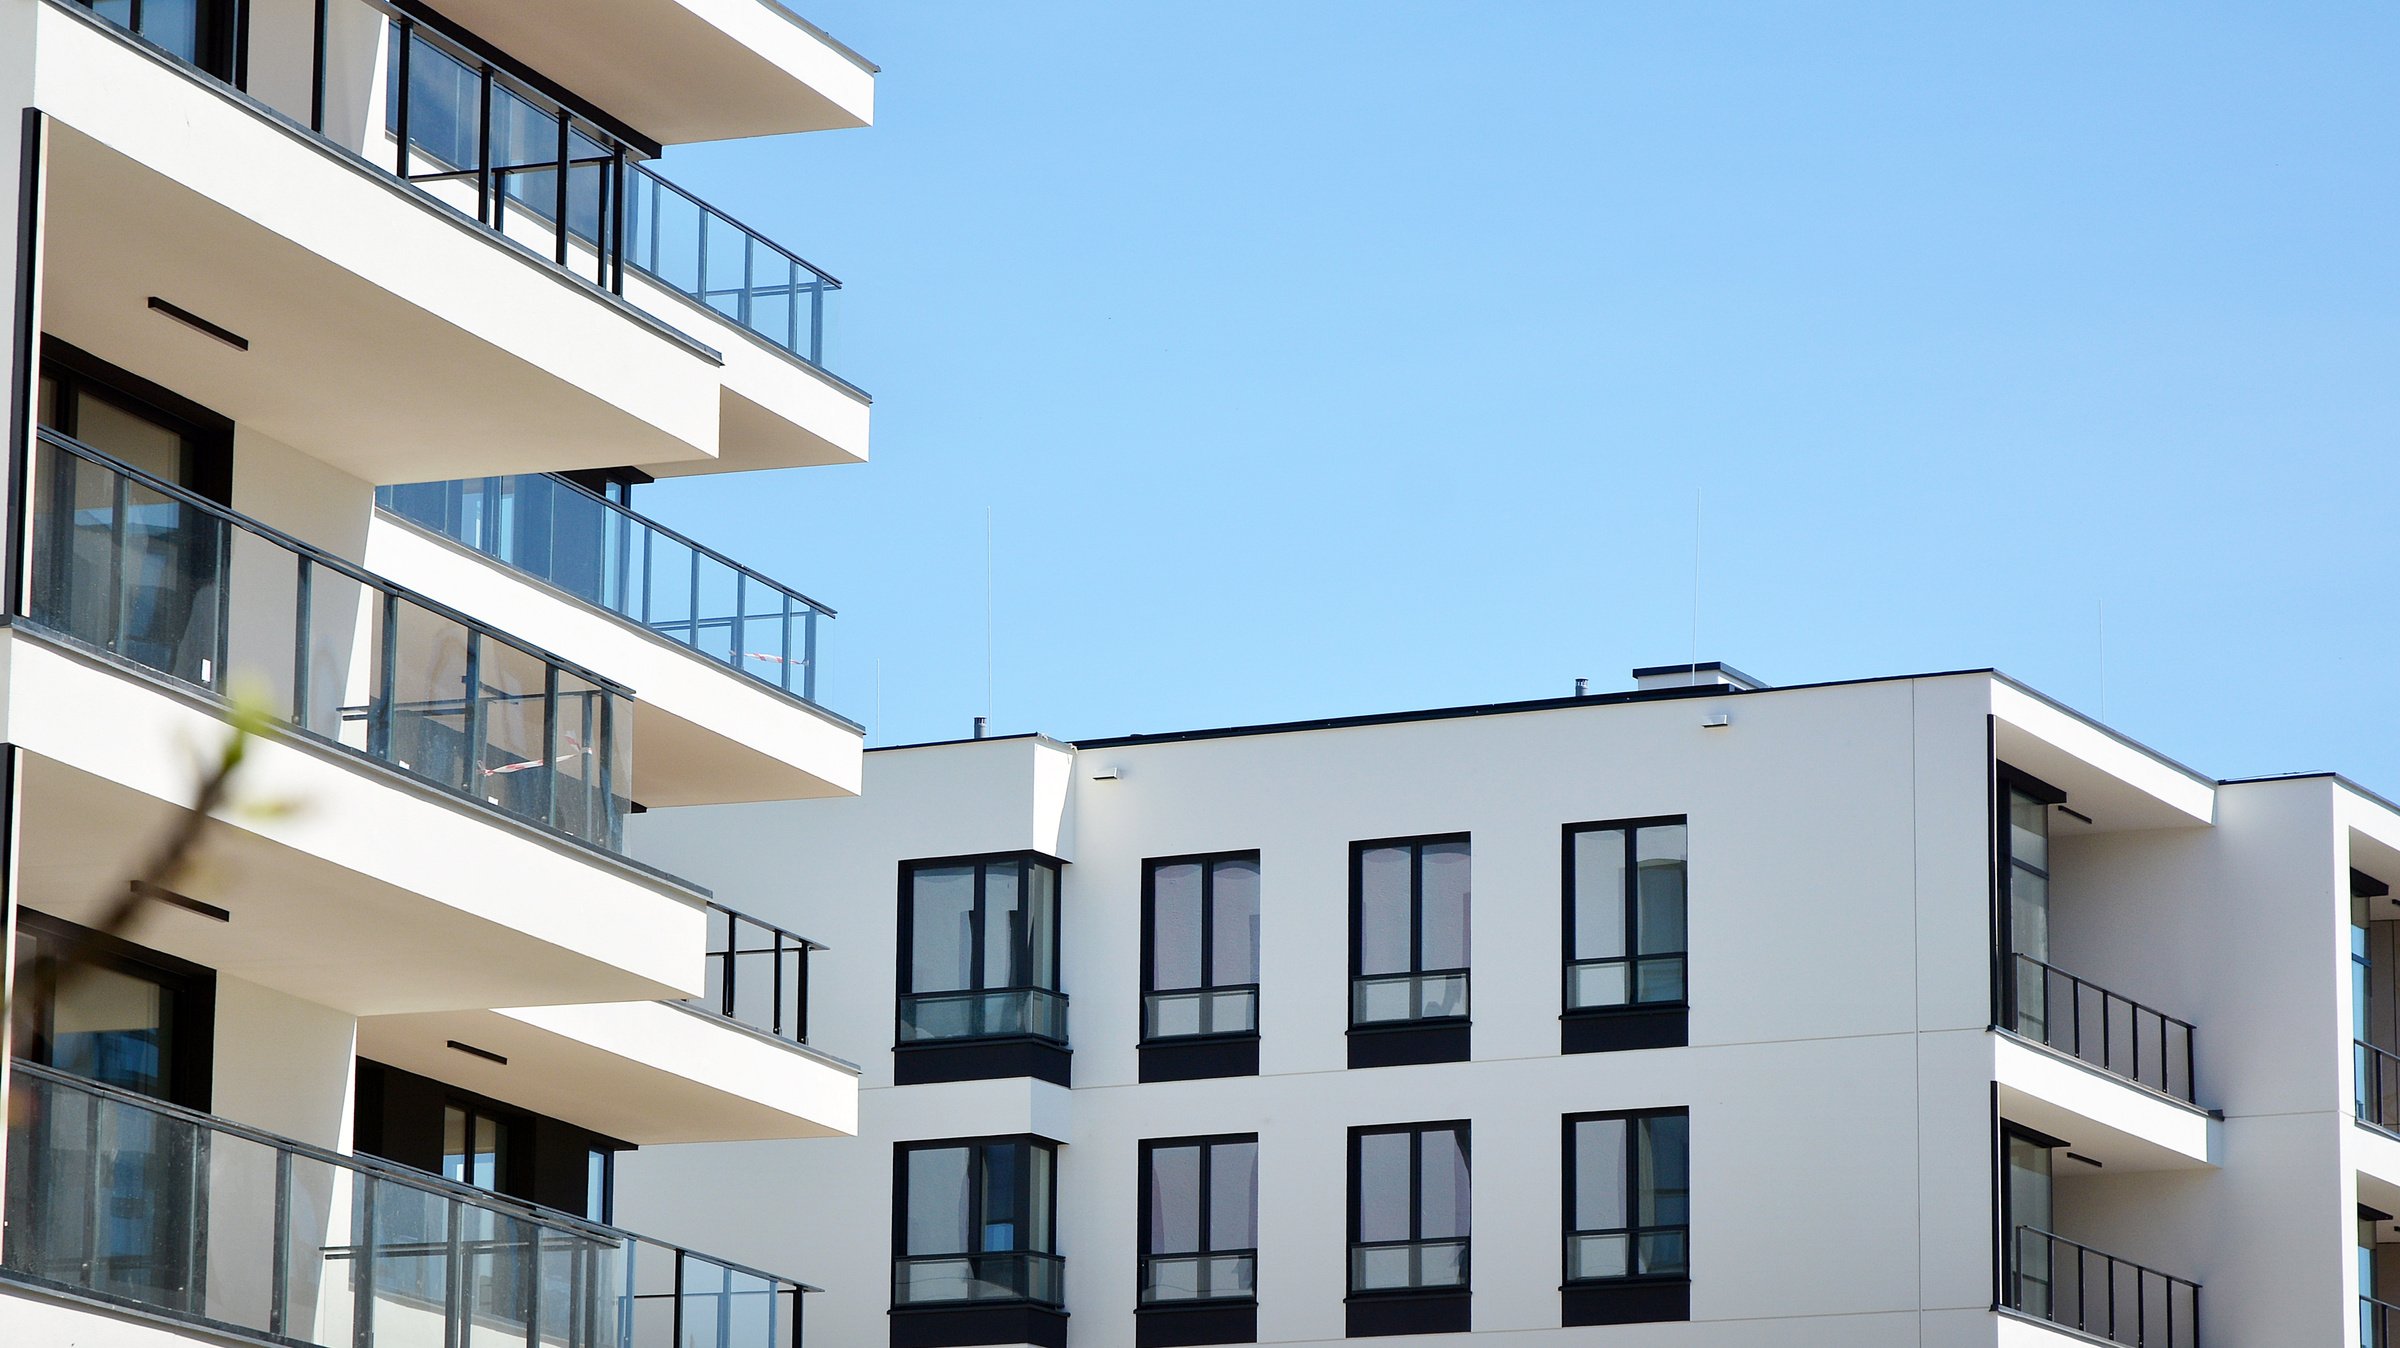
1396	999
2375	1085
184	1215
2097	1294
1200	1012
418	100
1184	1279
2116	1034
757	974
1408	1265
988	1014
144	572
640	570
955	1279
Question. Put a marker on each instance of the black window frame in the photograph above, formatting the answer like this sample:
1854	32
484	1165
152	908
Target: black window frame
2008	974
206	466
190	989
1633	915
1631	1297
1415	1132
1208	863
975	1147
221	37
905	972
1207	1145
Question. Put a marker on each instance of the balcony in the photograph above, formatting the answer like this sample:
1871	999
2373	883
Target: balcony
124	1200
2089	1023
2097	1294
997	1013
2378	1323
146	574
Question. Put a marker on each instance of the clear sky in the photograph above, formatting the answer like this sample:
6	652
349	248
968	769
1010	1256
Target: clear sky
1326	358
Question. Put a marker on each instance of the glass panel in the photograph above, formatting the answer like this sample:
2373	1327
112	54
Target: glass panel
1383	1197
1175	1014
1175	1200
426	704
1599	1256
1442	1264
1006	933
1440	996
444	107
2028	1183
936	1186
1379	999
1664	1177
1659	864
2028	830
1382	1268
113	1027
514	765
1662	1252
1233	1196
1600	1169
122	433
1599	895
1598	984
1383	911
1039	1193
1234	947
2029	913
1003	1192
1445	907
1443	1200
1659	979
1042	933
941	930
1175	925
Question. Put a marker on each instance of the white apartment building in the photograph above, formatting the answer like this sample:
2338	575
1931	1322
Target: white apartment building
340	334
1906	1011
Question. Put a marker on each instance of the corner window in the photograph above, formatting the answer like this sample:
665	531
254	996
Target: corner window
1408	1209
1199	1202
1409	909
979	950
1625	910
972	1224
1200	946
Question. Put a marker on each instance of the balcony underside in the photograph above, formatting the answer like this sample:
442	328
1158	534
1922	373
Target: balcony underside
387	335
644	1072
2123	1126
344	884
706	70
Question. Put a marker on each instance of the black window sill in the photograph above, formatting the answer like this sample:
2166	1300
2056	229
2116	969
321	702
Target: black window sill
1618	1029
1181	1324
1625	1301
972	1323
1373	1315
1408	1042
932	1060
1196	1057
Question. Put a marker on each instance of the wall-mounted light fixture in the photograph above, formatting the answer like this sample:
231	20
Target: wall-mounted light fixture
1716	720
198	324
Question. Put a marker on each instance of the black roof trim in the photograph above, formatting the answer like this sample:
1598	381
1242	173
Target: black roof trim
1497	709
1703	667
964	739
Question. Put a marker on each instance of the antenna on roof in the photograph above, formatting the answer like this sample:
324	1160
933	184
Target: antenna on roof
2100	634
987	620
1697	494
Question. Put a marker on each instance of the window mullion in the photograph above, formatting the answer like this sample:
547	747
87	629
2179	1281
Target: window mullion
1208	925
975	922
1200	1199
1633	905
1416	1185
1416	908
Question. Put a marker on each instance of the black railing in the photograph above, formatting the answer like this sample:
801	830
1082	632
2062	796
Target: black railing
138	569
144	1204
757	974
2378	1323
2116	1034
693	248
631	566
2375	1076
954	1279
2052	1278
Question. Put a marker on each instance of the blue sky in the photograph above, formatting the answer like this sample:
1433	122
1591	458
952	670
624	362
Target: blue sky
1341	357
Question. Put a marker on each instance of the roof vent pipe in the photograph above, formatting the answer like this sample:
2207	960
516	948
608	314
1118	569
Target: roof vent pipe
982	723
1583	688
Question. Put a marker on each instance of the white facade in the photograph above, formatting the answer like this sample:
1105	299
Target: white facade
300	338
1849	1061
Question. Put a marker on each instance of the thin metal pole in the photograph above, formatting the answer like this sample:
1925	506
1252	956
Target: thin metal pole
316	92
303	623
280	1277
408	43
483	167
564	152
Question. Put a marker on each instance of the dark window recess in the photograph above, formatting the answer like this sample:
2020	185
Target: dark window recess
1410	909
113	1012
974	1256
202	33
978	976
1625	914
1409	1204
490	1144
1199	1223
1628	1218
1200	967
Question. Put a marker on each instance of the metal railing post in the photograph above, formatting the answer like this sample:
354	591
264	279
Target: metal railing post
316	94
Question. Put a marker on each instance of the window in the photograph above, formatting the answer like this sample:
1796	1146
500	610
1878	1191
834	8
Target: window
474	1147
972	1223
1200	946
1409	906
2025	1219
112	1012
979	950
1626	898
1199	1218
1408	1209
198	32
1628	1196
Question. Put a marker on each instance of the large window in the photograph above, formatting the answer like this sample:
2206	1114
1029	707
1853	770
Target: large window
1625	914
1409	911
2024	832
1199	1217
1200	946
979	950
973	1222
1628	1196
112	1012
1408	1209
